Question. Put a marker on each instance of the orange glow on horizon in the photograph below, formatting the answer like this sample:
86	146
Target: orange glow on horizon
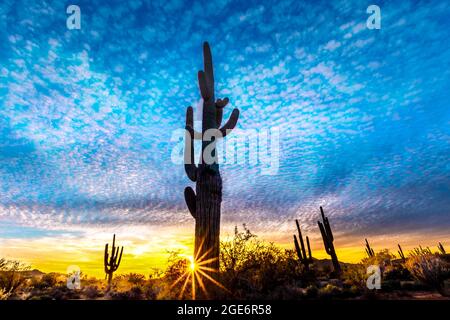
151	249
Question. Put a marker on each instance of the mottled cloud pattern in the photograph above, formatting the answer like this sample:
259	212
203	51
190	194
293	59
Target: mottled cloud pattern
87	116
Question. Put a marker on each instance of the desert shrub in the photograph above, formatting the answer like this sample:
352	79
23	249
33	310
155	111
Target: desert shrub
135	293
11	275
236	254
382	258
420	251
393	276
135	278
429	269
117	295
286	292
177	267
397	273
4	295
330	291
91	292
352	292
88	281
46	281
151	290
354	275
61	292
253	269
155	273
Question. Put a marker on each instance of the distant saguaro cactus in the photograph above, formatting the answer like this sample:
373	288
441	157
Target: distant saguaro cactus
112	262
327	236
400	253
204	204
300	249
369	250
441	248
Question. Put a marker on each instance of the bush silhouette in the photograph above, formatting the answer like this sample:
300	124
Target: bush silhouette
430	270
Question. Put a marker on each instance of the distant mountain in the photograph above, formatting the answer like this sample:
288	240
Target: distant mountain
32	273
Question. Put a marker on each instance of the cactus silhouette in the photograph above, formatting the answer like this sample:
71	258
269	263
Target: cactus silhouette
327	236
441	248
369	250
400	253
300	249
204	203
112	261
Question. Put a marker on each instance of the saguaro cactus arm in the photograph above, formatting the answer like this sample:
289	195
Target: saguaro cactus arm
369	249
116	264
326	225
302	244
206	76
189	196
441	248
309	248
220	104
400	252
297	248
106	258
206	84
326	240
230	124
189	165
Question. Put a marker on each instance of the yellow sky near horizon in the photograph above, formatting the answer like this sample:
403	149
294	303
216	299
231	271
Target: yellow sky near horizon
146	248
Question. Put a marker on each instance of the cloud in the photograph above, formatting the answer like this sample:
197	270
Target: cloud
87	116
332	45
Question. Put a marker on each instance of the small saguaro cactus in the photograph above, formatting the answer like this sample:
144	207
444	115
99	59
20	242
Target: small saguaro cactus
327	236
369	250
204	203
441	248
300	249
400	253
112	261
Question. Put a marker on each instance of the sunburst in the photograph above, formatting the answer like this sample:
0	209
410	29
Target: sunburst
196	273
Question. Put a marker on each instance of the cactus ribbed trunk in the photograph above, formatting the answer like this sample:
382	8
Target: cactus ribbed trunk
207	223
336	264
110	276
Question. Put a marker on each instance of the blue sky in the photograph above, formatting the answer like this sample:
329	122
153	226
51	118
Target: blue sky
87	116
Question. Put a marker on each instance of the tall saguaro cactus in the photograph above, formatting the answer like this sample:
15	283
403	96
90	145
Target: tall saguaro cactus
327	236
112	261
300	249
204	203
